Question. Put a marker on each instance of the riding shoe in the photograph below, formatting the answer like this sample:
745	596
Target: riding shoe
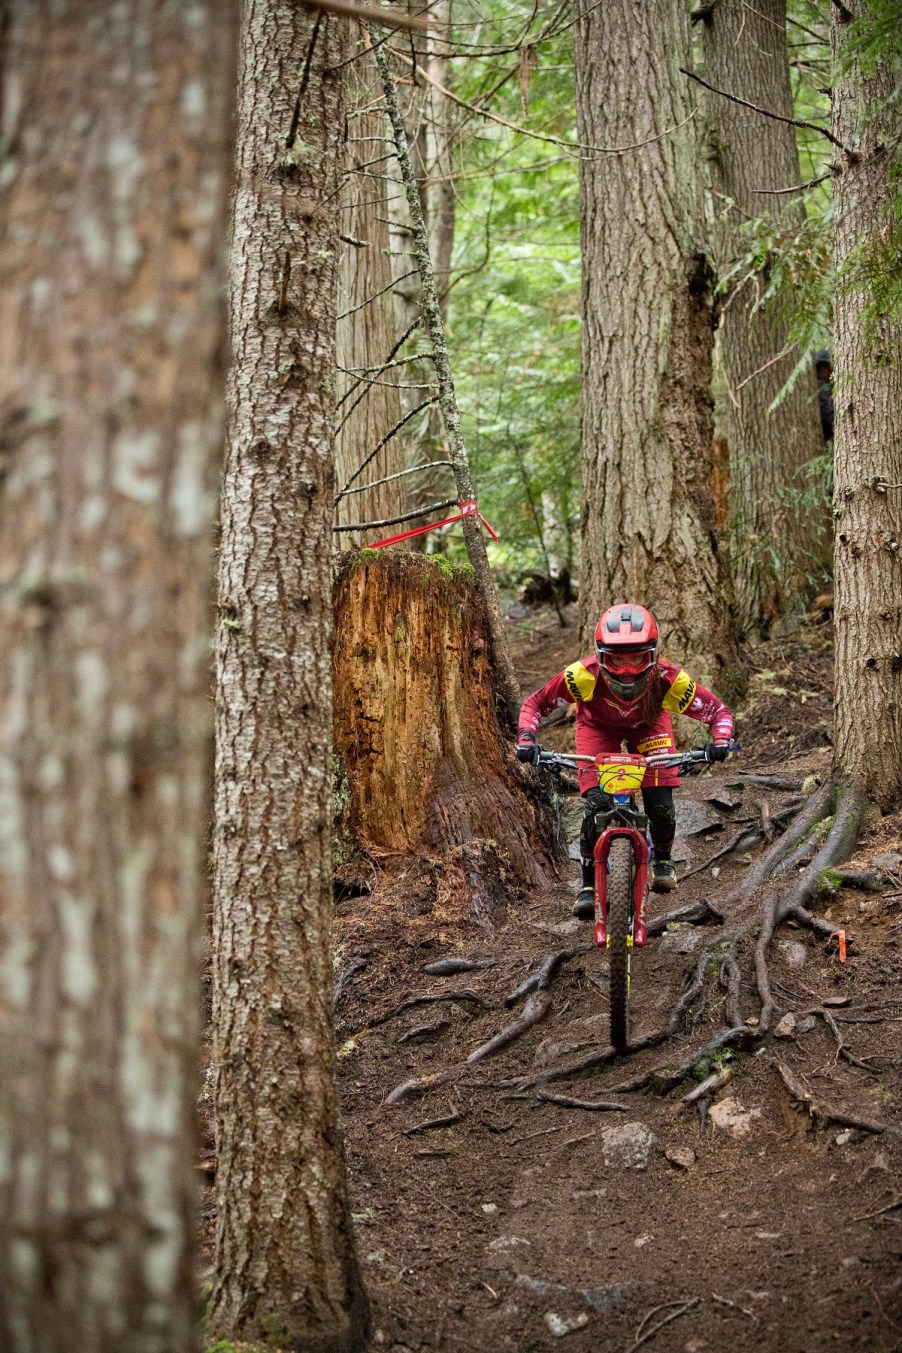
584	906
663	876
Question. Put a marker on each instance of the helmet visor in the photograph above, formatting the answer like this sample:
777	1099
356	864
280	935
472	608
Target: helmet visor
627	664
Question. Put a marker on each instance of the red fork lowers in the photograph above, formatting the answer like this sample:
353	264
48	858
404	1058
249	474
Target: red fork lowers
640	852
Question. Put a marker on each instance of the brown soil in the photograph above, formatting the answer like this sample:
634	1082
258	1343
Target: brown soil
474	1234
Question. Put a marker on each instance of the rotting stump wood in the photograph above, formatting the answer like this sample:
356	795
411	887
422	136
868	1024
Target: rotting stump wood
432	792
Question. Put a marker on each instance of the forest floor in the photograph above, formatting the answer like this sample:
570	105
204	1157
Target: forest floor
523	1224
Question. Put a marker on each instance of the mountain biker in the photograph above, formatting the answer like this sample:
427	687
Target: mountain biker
626	693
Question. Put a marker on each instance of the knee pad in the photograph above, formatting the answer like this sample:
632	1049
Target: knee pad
661	812
595	801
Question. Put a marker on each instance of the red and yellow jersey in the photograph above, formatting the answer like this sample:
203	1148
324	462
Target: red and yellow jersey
598	707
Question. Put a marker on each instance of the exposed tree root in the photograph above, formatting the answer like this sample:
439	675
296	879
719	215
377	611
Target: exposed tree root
535	1009
449	967
593	1105
742	840
791	901
707	1086
668	1076
429	998
695	913
420	1085
344	980
781	782
431	1123
540	980
829	1113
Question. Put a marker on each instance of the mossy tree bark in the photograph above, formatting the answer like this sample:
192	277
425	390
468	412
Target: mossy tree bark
116	165
780	545
286	1268
647	529
868	446
418	735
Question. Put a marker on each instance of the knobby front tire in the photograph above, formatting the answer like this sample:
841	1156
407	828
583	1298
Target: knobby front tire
620	891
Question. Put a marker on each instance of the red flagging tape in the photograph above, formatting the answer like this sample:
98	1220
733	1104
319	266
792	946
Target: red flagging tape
468	508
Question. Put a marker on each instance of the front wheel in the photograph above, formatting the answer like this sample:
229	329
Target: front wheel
620	906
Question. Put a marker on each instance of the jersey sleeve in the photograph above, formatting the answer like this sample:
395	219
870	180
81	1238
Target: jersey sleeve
687	697
541	703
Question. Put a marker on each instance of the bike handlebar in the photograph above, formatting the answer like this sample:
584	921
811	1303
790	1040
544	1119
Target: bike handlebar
683	762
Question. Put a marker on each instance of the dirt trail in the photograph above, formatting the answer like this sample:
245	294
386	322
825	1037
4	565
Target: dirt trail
517	1224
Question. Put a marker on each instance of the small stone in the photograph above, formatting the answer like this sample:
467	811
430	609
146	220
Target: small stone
730	1117
680	1156
715	871
508	1243
786	1027
680	941
842	1137
805	1023
641	1241
588	1193
887	859
375	1257
561	1327
490	1209
627	1146
795	955
693	818
851	1261
680	852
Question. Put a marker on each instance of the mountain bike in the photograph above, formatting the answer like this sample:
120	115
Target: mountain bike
622	854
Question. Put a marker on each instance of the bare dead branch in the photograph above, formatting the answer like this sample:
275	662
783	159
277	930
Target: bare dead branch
397	521
372	14
371	456
765	112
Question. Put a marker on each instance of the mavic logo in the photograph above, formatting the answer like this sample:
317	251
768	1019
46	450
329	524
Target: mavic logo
686	700
572	687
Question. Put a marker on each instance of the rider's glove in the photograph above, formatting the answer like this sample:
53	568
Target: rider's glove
526	749
716	751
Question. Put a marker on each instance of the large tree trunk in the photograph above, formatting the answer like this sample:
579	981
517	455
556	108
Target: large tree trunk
868	449
647	521
113	201
780	544
421	745
368	409
286	1269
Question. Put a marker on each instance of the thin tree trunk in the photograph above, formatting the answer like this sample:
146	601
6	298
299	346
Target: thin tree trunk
437	196
367	409
868	449
114	207
647	525
286	1268
508	687
780	530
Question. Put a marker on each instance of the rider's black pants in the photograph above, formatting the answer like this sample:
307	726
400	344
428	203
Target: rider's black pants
658	804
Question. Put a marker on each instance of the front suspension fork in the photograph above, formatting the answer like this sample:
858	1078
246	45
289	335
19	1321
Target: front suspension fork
639	843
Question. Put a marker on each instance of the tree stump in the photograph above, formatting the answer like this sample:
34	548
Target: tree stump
429	779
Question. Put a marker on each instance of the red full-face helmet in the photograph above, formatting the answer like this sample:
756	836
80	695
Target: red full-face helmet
626	642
